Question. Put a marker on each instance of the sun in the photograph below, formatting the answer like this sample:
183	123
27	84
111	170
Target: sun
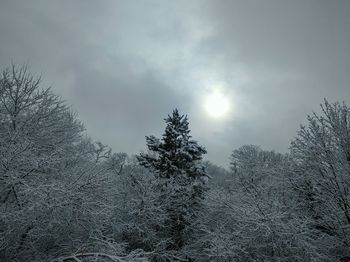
217	104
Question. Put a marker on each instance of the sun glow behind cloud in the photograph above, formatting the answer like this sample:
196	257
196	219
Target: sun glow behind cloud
216	104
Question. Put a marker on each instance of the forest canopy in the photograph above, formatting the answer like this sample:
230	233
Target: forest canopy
65	197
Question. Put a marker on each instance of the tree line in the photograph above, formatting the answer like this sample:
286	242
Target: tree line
64	197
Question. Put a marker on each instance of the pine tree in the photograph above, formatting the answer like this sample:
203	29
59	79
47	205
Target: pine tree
175	154
175	159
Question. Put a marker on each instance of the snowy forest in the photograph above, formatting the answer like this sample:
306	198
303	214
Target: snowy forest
64	197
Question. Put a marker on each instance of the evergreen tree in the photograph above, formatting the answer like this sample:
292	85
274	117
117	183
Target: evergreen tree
175	159
176	153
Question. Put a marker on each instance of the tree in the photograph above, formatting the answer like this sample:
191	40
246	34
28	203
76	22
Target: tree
176	154
175	159
48	171
322	176
251	217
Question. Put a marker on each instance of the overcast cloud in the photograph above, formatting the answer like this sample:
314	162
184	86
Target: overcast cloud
124	65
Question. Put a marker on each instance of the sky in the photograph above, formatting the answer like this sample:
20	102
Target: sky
123	66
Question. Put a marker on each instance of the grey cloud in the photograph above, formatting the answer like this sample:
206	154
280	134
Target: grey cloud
116	94
124	65
124	109
294	53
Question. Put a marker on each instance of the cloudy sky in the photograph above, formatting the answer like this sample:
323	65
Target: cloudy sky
124	65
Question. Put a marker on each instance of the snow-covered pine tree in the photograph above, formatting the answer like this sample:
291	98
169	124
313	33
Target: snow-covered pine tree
175	159
175	153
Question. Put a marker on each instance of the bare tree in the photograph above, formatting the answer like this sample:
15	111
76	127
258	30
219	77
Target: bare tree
49	171
251	218
322	154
